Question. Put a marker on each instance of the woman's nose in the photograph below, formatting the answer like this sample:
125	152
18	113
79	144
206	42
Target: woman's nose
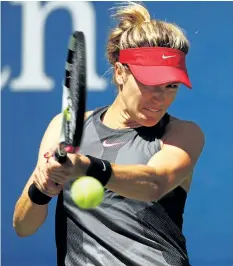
158	95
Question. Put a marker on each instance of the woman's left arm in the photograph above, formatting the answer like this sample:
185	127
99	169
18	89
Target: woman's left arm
182	145
167	169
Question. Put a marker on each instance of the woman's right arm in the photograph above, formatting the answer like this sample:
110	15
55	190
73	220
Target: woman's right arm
28	216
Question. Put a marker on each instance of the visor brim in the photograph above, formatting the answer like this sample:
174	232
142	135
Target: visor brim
158	75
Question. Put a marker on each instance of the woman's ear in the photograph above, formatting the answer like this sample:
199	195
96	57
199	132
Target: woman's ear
120	73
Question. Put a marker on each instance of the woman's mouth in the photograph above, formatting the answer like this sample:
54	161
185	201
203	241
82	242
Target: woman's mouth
153	110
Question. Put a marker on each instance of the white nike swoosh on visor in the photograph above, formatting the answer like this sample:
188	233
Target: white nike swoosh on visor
167	56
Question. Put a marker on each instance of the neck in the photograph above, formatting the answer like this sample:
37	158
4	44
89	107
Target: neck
117	116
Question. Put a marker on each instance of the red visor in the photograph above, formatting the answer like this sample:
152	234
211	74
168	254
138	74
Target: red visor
156	65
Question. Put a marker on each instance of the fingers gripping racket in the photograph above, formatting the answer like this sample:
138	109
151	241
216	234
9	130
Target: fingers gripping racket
73	98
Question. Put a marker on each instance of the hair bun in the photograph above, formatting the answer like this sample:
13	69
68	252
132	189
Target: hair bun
131	15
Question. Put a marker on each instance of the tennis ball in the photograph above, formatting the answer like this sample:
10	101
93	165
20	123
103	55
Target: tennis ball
67	114
87	192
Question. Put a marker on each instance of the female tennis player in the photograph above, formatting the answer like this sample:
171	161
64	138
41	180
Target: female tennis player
143	156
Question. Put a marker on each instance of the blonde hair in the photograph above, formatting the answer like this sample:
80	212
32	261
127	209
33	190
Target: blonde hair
137	29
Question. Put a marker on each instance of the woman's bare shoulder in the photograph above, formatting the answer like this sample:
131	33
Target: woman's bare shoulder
179	128
177	122
88	114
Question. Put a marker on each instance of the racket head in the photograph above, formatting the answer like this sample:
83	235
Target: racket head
74	95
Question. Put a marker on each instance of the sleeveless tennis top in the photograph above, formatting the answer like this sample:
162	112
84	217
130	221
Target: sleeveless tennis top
121	231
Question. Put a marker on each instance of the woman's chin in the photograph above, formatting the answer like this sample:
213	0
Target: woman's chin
148	121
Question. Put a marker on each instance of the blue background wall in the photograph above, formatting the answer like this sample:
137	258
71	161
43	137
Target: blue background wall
27	109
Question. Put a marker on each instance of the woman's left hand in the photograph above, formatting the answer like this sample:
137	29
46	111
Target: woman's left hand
73	168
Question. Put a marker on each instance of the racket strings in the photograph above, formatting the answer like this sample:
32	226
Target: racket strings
75	89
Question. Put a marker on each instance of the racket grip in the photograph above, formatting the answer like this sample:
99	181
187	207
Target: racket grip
60	155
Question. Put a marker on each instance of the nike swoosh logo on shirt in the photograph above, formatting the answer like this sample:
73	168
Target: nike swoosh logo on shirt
105	144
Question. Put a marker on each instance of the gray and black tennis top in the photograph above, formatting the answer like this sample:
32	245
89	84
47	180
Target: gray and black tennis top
121	231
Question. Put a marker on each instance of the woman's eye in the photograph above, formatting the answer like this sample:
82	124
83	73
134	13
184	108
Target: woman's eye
172	86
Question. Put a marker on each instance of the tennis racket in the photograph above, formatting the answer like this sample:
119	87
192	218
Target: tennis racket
73	98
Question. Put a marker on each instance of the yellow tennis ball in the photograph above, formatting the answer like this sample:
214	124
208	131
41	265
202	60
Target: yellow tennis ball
87	192
67	114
